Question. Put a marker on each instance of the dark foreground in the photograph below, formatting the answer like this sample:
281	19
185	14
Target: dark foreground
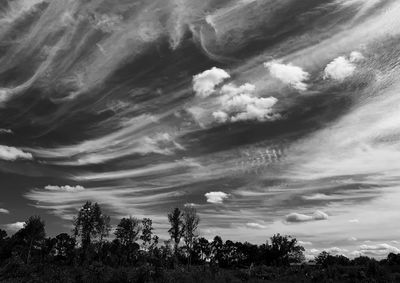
97	272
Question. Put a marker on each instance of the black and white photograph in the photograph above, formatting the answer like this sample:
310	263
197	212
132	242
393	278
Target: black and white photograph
205	141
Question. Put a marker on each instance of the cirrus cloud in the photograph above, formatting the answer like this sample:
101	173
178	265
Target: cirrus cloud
255	225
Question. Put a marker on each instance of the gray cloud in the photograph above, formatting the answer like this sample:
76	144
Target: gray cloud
298	217
4	211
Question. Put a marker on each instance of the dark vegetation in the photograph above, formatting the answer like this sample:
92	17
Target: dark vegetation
136	255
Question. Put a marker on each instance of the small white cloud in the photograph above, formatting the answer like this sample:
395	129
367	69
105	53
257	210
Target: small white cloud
12	154
14	226
216	197
352	239
354	221
298	217
204	84
4	211
289	74
255	226
69	189
339	69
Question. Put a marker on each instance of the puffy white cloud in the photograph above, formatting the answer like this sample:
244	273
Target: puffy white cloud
14	226
69	189
354	221
216	197
255	226
289	74
4	211
342	67
339	69
233	103
298	217
204	83
241	104
11	153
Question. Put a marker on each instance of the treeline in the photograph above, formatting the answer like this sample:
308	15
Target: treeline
136	254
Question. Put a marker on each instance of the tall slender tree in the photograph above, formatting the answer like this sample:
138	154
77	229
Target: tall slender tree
176	230
147	233
190	224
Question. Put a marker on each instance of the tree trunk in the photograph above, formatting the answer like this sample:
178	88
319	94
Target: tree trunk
29	252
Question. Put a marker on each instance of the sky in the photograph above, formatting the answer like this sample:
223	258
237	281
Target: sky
266	116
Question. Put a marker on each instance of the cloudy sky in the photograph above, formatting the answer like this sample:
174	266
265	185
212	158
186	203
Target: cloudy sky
267	116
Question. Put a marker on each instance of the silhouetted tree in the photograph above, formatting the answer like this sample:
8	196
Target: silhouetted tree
217	246
147	233
64	247
285	250
33	233
3	235
176	230
5	250
325	259
128	230
127	233
91	224
202	250
393	259
190	223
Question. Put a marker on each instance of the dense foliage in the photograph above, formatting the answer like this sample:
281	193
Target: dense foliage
134	254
